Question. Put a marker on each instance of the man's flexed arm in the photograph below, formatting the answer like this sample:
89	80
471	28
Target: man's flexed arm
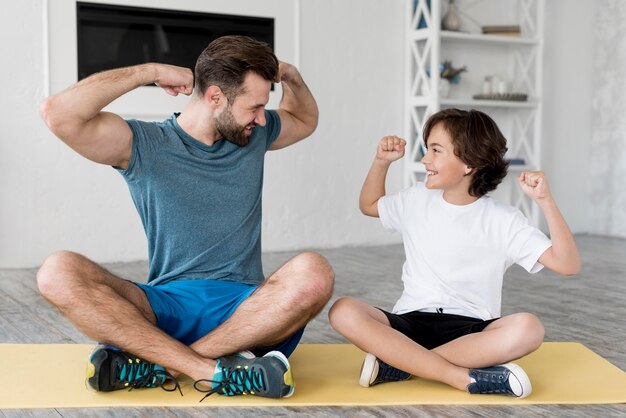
297	110
390	149
75	114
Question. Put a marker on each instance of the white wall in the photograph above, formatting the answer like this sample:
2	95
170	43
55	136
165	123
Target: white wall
351	55
608	148
568	92
355	70
50	198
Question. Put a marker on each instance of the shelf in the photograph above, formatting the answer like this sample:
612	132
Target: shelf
487	39
519	59
530	104
423	101
423	34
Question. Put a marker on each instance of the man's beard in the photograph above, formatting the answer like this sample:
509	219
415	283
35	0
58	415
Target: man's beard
230	129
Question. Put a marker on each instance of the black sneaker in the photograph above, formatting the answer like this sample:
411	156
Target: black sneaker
111	369
268	376
375	371
506	379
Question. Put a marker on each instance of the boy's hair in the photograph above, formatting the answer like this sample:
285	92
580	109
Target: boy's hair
477	142
227	60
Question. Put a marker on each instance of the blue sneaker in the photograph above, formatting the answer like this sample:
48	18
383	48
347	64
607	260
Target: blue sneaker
506	379
268	376
110	369
375	371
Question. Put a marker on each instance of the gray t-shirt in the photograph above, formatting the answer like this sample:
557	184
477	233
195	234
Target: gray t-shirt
200	205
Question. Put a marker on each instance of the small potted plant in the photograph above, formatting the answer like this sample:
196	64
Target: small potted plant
449	75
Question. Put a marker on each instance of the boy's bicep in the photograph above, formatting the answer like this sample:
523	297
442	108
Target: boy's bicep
371	209
547	259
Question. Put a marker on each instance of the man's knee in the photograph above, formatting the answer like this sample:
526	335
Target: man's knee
55	272
307	282
315	278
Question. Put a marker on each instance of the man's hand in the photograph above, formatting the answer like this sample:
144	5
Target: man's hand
390	148
286	72
535	185
174	80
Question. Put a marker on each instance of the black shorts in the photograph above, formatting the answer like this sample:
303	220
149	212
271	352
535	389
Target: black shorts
431	330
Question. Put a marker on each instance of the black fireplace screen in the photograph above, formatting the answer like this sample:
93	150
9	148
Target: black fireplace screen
111	36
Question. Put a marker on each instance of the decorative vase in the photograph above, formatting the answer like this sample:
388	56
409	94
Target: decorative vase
444	87
451	21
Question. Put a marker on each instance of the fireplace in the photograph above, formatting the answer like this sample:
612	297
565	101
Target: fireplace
87	36
112	36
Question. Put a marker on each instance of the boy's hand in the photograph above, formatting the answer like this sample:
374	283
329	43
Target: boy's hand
534	184
390	148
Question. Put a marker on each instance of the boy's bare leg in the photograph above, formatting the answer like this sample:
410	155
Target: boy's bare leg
114	311
504	340
369	329
283	304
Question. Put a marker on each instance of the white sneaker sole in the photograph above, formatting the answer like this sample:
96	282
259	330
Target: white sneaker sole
368	369
519	381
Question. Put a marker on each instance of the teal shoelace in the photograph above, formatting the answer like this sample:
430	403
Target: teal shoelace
235	381
140	374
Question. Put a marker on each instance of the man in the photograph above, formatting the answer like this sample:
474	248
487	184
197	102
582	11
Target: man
196	180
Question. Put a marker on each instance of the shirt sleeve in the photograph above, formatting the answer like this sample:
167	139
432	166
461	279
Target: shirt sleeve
272	126
391	210
138	143
526	243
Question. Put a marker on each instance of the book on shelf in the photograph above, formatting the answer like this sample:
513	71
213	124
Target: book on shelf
516	161
508	30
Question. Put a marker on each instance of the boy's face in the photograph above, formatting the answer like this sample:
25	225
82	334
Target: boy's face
445	170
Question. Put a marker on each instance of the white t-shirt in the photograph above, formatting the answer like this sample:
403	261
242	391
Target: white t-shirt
456	256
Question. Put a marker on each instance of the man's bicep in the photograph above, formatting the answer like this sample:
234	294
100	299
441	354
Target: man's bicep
106	139
292	130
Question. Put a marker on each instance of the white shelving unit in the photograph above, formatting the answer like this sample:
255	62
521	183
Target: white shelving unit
516	59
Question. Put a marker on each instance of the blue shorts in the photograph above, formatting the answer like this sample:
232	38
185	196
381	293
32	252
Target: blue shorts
187	310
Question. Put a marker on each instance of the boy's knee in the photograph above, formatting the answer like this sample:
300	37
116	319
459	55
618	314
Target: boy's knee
340	314
530	331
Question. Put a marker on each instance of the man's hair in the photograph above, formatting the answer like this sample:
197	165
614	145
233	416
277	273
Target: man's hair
227	60
477	142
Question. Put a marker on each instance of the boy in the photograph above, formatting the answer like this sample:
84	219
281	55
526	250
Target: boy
446	326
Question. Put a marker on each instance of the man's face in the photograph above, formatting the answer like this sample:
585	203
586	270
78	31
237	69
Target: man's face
236	122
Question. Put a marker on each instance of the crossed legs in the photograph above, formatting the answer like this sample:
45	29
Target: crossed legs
115	311
503	340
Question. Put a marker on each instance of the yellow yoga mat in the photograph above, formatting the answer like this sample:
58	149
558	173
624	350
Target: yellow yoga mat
52	376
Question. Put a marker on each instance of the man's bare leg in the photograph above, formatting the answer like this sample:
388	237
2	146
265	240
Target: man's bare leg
284	303
114	311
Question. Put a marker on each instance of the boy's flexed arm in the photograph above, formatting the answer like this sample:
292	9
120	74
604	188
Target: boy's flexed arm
75	114
390	149
563	256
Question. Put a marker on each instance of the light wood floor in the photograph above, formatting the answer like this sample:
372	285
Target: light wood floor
589	308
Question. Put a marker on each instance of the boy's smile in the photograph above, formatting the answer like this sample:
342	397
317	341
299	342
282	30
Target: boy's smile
444	169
